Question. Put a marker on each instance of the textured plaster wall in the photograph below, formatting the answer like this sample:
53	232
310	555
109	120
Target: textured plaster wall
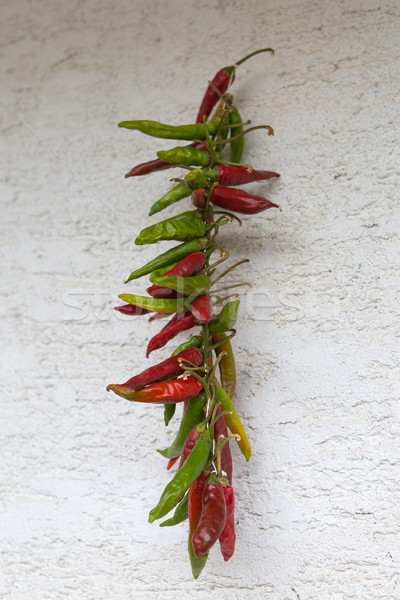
317	344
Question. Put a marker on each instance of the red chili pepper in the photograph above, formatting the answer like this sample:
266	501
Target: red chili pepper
166	392
194	513
184	268
228	536
202	309
226	456
159	315
199	198
239	201
240	175
167	369
131	309
179	322
161	292
221	81
155	165
212	519
171	462
189	444
148	167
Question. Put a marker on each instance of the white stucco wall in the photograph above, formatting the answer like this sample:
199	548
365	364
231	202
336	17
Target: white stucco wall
318	362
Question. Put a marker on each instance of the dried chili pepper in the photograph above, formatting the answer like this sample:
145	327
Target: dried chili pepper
171	255
192	416
194	512
177	193
184	268
169	411
199	198
221	81
183	227
180	514
154	165
132	310
167	369
171	132
171	461
227	538
202	309
239	200
194	342
177	324
148	167
226	455
213	517
227	367
187	286
237	145
185	156
226	319
189	443
168	305
183	479
229	175
160	315
161	292
232	420
175	390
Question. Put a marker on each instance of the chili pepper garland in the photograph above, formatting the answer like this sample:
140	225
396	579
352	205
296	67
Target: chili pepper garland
186	286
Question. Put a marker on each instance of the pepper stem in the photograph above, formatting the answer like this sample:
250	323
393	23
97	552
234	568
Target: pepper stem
239	135
219	300
242	60
229	287
226	338
229	214
240	262
222	440
211	374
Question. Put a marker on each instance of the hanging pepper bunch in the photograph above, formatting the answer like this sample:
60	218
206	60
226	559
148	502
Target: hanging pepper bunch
185	288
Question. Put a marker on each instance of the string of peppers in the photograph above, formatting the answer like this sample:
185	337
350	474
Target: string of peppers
185	284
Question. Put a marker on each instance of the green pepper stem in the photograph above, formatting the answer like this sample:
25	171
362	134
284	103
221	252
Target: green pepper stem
229	287
239	135
242	60
225	257
226	338
240	262
233	125
229	214
219	300
211	374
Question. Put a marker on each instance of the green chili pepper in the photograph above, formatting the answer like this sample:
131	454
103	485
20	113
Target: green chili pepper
185	156
172	255
177	193
180	514
194	342
237	145
196	179
193	415
183	227
188	286
196	131
166	305
187	474
169	411
226	318
232	420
